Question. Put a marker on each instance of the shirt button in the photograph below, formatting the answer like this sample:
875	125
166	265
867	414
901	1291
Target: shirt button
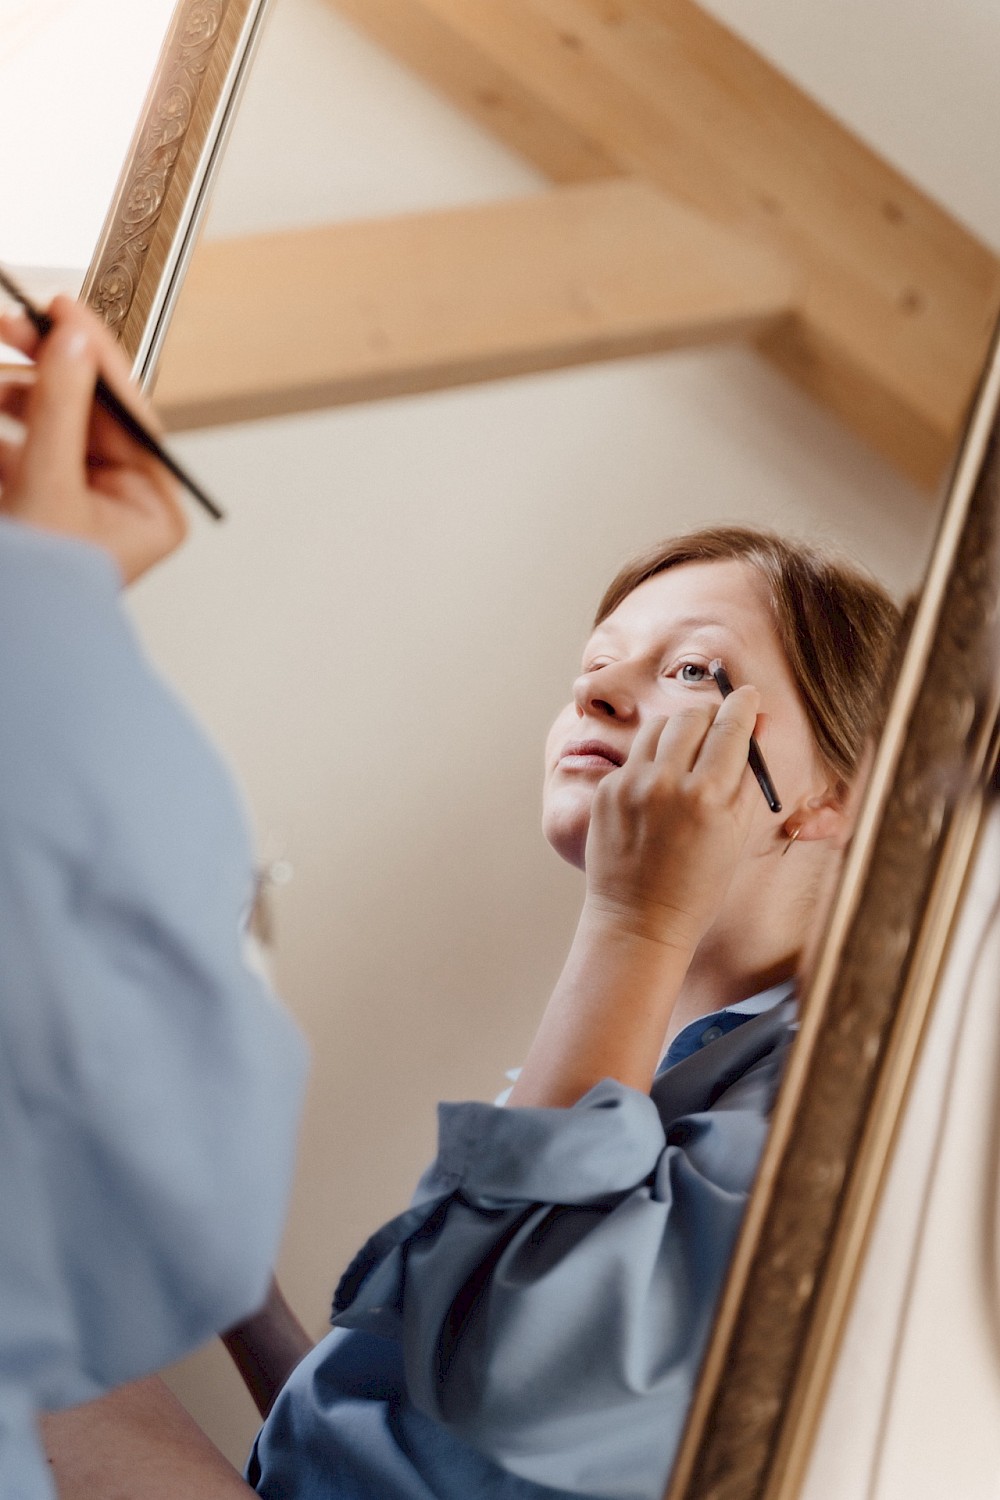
710	1035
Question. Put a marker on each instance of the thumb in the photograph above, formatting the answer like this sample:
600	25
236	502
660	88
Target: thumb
58	410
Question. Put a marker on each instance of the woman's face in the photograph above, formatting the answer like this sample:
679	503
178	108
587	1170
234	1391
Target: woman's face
649	658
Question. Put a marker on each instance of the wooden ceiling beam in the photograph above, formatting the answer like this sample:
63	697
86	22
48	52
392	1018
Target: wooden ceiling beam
324	316
898	298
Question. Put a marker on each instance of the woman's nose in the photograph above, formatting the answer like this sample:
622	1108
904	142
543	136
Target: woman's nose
605	693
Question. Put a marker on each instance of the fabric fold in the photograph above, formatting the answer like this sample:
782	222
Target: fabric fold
152	1084
553	1285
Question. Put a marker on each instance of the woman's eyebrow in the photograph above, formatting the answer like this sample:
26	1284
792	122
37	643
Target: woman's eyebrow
689	625
692	624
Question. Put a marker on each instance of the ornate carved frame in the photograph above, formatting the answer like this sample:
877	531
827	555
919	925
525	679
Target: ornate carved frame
755	1412
161	195
762	1387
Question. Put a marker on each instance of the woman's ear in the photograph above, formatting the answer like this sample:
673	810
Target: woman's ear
831	815
825	819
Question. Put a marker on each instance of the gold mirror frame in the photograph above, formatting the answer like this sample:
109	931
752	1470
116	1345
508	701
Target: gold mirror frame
760	1395
776	1336
162	192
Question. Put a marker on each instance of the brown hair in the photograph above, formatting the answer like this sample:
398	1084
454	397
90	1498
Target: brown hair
838	627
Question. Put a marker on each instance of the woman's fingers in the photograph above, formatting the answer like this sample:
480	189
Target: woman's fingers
77	471
111	359
18	331
10	457
709	743
671	741
107	441
723	755
681	741
12	417
644	745
15	382
58	410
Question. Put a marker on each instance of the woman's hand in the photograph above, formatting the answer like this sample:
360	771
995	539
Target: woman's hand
668	827
77	472
666	832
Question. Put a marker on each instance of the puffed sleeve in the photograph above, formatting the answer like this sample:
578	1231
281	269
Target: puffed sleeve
554	1283
152	1084
24	1472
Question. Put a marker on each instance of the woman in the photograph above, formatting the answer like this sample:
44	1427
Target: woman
533	1325
149	1086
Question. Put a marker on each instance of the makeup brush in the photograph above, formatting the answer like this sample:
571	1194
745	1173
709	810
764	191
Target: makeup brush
109	402
755	759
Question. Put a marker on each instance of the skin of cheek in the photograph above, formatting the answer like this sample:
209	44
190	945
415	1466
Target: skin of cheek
566	798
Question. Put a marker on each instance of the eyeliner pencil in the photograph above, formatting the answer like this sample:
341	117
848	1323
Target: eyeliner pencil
755	759
106	398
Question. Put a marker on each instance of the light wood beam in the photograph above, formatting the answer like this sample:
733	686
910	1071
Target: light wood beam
324	316
898	298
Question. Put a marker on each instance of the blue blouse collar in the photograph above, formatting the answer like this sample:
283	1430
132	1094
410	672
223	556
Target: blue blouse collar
705	1029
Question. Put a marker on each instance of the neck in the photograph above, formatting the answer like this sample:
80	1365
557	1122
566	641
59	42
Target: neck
706	990
759	938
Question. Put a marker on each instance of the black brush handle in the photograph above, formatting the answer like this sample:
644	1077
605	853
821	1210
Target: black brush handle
754	757
109	402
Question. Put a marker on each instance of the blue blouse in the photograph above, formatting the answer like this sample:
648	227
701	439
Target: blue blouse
149	1084
533	1325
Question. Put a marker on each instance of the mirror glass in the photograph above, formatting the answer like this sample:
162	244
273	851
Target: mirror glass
73	76
381	635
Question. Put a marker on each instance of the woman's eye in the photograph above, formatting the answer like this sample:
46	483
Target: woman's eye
692	672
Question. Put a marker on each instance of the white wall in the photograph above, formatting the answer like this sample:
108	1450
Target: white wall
382	631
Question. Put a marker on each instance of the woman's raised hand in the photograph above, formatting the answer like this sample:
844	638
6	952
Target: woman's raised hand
668	827
666	833
76	471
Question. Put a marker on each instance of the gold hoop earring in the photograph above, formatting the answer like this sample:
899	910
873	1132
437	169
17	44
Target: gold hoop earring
791	840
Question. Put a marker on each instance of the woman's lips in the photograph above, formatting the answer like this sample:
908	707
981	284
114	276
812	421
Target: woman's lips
590	755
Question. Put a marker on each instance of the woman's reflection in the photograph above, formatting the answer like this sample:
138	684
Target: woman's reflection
533	1325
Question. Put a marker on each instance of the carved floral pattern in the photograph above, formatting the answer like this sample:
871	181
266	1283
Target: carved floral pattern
136	214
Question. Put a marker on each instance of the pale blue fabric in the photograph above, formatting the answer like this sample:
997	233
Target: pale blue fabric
533	1325
150	1085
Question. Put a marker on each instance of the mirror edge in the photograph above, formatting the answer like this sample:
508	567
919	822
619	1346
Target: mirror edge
760	1394
162	192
